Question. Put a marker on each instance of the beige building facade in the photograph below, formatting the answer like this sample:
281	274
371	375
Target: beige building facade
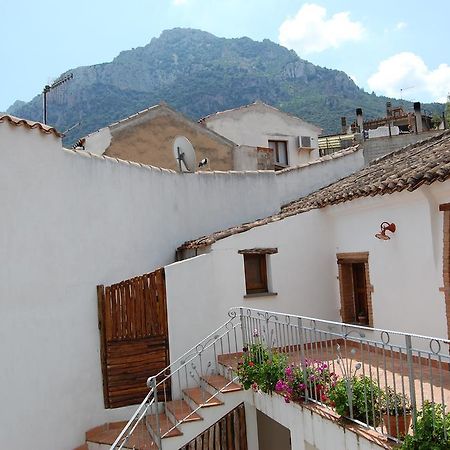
147	138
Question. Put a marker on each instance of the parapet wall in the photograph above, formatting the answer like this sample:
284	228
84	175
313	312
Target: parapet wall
377	147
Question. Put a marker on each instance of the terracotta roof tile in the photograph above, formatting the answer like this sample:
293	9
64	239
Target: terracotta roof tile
30	124
409	168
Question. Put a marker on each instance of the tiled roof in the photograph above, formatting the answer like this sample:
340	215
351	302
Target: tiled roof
408	168
30	124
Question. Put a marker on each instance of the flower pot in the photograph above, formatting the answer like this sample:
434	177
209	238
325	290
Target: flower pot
362	319
390	422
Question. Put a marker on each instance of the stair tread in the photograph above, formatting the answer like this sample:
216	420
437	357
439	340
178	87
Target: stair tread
107	434
202	397
165	424
219	382
180	409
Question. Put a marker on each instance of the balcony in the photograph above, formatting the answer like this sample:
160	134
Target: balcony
384	373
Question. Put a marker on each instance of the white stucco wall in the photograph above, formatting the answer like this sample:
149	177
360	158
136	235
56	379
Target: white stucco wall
245	158
256	124
309	430
68	223
406	271
99	141
294	183
214	282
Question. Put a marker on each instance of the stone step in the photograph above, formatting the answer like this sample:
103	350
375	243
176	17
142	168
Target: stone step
165	424
178	410
219	383
106	435
201	397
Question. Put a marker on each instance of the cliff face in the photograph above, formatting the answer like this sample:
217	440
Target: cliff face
198	74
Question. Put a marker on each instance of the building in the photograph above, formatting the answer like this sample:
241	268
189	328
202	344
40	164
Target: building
147	136
86	235
258	126
73	220
397	129
343	265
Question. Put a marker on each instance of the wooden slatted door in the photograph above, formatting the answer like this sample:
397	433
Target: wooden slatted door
133	336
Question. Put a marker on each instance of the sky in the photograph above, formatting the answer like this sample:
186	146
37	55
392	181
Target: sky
398	49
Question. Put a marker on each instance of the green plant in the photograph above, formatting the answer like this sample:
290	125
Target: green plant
395	403
432	430
260	368
358	398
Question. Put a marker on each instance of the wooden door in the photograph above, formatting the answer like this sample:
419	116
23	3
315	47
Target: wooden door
133	336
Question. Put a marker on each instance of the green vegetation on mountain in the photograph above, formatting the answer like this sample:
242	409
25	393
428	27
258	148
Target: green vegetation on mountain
199	74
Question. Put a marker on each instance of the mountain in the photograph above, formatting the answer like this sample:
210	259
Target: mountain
198	74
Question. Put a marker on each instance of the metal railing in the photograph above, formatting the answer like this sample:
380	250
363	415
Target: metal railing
190	370
378	378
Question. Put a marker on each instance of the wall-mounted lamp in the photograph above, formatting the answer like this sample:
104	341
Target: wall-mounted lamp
386	226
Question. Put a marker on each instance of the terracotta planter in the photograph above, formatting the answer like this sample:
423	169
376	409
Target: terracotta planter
390	422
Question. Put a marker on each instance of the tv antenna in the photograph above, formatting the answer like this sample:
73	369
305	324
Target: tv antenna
184	153
404	89
50	87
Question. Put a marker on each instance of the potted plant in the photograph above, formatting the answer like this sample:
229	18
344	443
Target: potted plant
315	380
432	430
396	409
362	317
357	398
260	368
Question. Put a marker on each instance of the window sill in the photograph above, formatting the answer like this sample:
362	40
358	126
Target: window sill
261	294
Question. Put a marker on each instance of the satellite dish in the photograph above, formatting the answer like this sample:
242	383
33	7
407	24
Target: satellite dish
184	154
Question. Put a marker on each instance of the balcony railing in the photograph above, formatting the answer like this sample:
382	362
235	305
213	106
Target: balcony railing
386	377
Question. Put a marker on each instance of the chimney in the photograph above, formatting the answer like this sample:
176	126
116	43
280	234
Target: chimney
418	117
389	117
359	120
388	109
344	125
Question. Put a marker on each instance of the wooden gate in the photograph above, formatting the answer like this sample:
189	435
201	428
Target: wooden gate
133	336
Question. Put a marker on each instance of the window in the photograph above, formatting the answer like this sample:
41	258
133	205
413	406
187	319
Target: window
279	152
256	270
255	273
356	302
305	141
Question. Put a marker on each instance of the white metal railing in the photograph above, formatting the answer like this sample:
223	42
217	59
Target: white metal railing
393	373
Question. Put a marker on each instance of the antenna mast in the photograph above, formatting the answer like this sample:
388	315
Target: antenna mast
47	89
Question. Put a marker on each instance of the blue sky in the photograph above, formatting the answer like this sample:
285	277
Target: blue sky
394	48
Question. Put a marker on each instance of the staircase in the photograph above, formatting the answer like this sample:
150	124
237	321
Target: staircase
198	391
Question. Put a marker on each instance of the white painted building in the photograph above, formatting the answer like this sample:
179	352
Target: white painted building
406	288
293	140
71	220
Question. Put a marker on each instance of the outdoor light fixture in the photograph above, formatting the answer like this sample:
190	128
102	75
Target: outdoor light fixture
386	226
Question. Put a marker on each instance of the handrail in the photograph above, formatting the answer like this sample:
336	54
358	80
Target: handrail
136	419
349	325
221	390
307	341
232	316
